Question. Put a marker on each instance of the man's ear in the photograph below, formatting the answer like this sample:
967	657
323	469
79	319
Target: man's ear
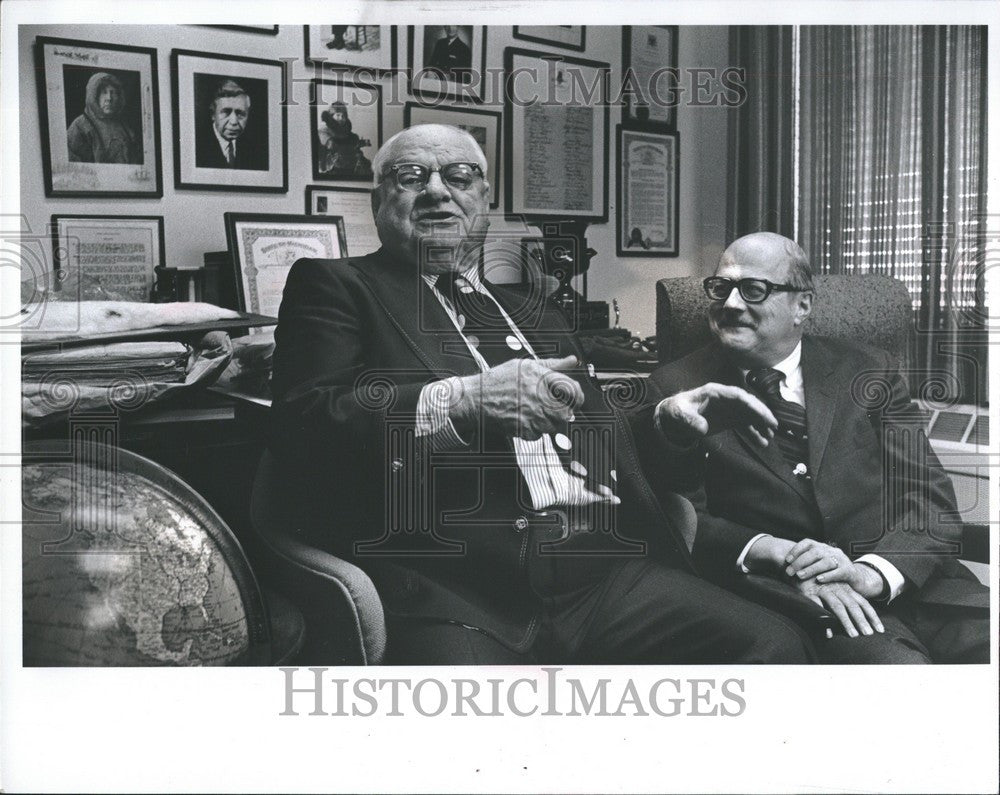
803	307
376	200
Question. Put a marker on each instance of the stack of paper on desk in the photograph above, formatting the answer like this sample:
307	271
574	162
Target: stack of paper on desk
103	365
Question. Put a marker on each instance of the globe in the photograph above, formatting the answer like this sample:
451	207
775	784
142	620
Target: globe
123	565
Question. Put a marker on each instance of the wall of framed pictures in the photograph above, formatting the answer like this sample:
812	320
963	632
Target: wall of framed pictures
316	152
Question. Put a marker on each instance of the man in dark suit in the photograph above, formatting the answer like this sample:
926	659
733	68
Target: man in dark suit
849	503
221	140
452	56
441	433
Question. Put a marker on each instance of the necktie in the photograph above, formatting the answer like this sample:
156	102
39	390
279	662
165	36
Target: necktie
481	322
231	153
792	438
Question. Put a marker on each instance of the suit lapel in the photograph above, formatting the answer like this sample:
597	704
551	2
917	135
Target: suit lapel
411	306
822	400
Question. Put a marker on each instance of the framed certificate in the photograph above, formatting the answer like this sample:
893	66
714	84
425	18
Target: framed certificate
483	125
649	57
264	247
555	136
100	118
354	206
114	256
648	193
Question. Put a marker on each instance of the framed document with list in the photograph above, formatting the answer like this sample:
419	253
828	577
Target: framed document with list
555	136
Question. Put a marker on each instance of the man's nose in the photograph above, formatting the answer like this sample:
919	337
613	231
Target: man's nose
435	187
735	300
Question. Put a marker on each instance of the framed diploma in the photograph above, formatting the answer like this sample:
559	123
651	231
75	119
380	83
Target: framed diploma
100	119
483	125
572	37
447	61
370	49
555	136
354	205
648	193
649	53
114	256
230	123
264	247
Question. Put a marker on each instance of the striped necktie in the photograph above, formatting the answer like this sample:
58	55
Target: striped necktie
792	437
231	153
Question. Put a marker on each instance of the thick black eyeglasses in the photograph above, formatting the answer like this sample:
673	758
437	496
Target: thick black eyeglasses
414	177
753	291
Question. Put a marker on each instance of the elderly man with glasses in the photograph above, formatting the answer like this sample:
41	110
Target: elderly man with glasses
444	434
844	504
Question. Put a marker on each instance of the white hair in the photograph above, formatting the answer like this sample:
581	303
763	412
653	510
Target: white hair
383	154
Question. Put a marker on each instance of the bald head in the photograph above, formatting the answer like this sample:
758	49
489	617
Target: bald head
761	334
427	137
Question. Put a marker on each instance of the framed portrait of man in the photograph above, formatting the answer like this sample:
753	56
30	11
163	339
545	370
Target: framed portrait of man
230	125
447	61
100	122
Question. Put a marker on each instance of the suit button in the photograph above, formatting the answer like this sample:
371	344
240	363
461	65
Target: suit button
520	524
397	464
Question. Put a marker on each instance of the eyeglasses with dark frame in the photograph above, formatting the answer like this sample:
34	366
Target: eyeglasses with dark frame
753	291
414	177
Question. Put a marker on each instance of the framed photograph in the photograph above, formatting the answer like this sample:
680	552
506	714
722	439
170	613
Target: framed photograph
354	206
114	255
650	53
555	136
100	119
483	125
346	120
369	49
572	37
447	61
648	193
264	247
230	125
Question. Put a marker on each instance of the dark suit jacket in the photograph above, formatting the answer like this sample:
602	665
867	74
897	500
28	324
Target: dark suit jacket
878	486
453	58
356	341
250	154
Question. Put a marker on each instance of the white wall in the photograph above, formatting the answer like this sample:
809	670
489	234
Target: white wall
193	219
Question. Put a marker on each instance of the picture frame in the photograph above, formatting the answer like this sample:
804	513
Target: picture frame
347	132
647	51
443	65
367	50
99	111
648	216
483	125
267	30
570	37
264	246
548	102
230	124
354	206
115	255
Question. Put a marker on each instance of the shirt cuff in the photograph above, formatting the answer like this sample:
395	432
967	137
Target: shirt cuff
433	417
892	575
666	440
743	555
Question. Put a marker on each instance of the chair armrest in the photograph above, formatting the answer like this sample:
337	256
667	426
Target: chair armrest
345	623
